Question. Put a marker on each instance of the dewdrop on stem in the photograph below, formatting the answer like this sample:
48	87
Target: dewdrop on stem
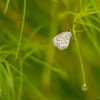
84	87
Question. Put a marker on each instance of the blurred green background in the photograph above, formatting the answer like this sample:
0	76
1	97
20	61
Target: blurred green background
41	71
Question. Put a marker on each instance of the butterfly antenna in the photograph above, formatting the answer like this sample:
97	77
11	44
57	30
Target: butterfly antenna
69	30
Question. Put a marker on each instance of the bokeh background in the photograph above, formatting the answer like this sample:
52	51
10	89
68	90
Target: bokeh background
41	71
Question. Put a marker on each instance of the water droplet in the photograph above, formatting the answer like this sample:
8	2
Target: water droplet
84	87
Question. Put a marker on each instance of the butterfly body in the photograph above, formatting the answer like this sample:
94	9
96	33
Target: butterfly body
61	41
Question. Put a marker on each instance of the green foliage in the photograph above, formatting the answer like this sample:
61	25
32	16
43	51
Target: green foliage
31	68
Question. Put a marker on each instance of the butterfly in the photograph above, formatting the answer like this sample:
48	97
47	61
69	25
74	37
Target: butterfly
61	41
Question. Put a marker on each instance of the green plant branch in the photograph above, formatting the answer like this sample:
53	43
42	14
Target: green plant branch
79	54
21	32
19	43
88	24
7	4
46	64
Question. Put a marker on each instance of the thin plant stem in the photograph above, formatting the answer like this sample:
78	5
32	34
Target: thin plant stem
21	32
6	8
78	50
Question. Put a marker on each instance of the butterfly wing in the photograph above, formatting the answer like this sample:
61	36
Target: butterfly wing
62	40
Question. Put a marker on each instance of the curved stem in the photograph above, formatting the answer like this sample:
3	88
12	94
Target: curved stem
21	32
7	4
79	54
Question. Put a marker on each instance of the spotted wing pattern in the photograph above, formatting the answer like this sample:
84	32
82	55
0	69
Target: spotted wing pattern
62	40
